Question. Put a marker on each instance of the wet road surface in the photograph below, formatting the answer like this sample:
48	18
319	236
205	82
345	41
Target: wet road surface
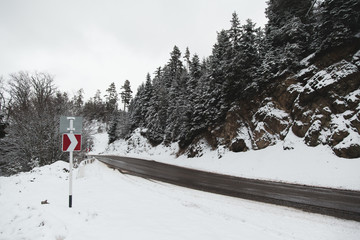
333	202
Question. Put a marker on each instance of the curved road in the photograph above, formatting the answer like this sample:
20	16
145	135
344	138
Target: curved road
333	202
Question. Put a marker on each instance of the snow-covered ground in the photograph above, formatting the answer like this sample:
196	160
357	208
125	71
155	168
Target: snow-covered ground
110	205
317	166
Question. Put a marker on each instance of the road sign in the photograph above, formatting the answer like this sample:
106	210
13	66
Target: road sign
65	124
71	142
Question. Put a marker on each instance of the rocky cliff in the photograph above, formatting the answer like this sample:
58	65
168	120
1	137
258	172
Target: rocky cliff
319	103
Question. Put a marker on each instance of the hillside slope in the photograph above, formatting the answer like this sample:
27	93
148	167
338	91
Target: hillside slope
319	103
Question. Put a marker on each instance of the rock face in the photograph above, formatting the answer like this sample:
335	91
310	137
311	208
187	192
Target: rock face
270	123
320	103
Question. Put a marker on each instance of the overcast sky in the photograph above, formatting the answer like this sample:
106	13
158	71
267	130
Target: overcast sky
91	43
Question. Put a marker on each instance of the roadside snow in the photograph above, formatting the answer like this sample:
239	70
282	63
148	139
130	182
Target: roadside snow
301	164
110	205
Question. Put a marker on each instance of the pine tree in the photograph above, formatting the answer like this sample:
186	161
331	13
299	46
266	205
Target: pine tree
99	106
113	127
157	115
78	102
248	58
187	58
195	67
94	108
288	35
148	94
339	21
126	94
235	32
174	78
111	98
120	125
221	79
174	67
123	125
148	89
221	57
136	110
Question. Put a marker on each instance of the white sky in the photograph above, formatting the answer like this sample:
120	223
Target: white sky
90	44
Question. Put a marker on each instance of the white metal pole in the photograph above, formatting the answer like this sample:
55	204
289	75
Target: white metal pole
71	128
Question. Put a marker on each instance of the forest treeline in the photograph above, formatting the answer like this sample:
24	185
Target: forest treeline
187	95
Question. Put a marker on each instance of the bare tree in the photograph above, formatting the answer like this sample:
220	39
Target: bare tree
43	90
33	137
2	97
20	90
2	109
32	133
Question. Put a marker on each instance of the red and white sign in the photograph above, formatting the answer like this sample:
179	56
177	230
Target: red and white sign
71	142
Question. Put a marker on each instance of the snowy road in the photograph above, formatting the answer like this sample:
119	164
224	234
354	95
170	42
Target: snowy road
338	203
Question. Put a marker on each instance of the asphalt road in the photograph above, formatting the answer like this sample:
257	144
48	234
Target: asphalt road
333	202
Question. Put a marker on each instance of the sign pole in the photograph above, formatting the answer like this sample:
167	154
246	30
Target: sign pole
70	178
71	129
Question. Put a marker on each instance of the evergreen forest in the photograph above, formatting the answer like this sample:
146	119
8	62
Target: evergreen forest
189	96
